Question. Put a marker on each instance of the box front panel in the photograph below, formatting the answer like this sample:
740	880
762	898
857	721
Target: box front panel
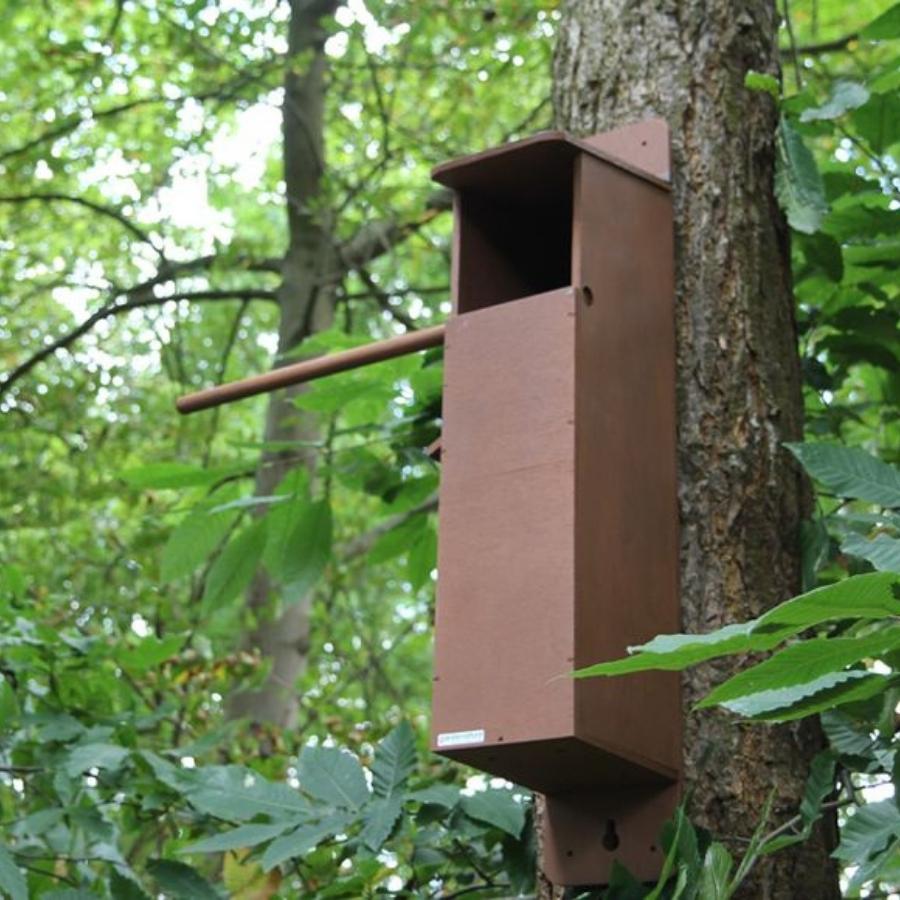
627	515
504	621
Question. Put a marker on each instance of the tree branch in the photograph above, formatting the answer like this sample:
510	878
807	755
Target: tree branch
363	543
98	208
115	309
841	43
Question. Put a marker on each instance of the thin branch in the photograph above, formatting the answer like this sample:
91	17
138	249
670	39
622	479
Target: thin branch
362	543
792	43
220	376
98	208
115	309
227	90
841	43
382	298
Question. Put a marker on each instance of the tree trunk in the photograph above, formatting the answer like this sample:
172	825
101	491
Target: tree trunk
739	394
306	301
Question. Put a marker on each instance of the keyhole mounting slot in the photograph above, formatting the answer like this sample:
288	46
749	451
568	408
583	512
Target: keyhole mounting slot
610	836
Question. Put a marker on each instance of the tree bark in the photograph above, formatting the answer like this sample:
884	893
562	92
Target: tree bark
306	301
739	389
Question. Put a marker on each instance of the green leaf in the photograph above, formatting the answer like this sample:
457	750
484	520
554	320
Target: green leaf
9	705
674	652
871	596
826	693
333	776
764	83
181	881
882	551
234	567
845	95
150	652
399	539
422	558
159	476
868	831
238	838
803	663
844	737
498	808
121	887
850	472
95	756
303	839
380	818
297	556
395	758
819	785
11	878
798	184
237	794
445	795
885	27
191	543
717	866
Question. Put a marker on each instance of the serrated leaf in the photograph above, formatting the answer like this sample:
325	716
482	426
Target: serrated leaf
844	96
11	878
868	831
803	663
674	652
395	758
181	881
235	793
801	701
714	877
303	839
871	596
380	818
498	808
798	184
882	551
844	736
850	472
234	567
191	543
444	795
95	756
333	776
819	785
121	887
885	27
239	838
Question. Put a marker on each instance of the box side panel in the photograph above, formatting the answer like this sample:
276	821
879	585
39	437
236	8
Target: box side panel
504	620
626	494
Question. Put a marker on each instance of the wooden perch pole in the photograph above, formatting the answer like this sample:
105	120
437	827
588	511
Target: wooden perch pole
313	368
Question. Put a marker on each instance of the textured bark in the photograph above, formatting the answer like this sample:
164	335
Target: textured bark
741	499
306	301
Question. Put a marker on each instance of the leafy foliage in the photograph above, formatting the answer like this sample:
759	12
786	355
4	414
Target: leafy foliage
141	259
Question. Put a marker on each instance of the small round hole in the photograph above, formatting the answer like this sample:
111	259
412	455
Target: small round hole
588	295
570	853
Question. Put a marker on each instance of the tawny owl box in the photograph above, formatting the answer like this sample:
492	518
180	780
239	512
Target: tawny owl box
558	538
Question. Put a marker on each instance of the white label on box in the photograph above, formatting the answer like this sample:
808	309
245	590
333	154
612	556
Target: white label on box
458	738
